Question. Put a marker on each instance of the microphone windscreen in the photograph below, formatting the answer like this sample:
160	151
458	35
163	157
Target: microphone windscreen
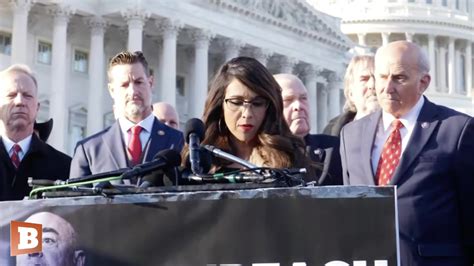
170	156
206	160
196	126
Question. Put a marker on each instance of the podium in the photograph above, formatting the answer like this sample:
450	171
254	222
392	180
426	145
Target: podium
258	226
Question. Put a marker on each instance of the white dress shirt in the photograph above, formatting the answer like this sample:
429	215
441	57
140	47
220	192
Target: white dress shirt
146	124
24	144
384	129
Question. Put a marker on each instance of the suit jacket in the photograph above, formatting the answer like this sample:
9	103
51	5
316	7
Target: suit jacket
434	179
335	125
106	150
41	161
324	149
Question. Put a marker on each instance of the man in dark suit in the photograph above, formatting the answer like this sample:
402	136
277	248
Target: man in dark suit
359	90
137	136
425	150
320	148
22	153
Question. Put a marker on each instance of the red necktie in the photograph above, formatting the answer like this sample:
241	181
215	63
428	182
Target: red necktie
135	146
15	158
390	155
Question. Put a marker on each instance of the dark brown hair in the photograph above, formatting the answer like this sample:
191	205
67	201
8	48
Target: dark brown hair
276	145
128	58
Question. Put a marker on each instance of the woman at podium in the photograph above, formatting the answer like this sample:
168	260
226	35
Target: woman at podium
243	116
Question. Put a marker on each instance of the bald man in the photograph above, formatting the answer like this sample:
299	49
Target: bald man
425	150
166	114
59	243
320	148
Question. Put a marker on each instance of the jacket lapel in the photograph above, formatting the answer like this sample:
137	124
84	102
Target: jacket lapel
159	138
115	145
424	127
366	146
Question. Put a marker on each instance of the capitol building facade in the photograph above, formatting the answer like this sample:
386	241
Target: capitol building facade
444	28
68	43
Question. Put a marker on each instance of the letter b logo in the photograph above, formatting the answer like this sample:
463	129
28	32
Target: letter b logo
25	238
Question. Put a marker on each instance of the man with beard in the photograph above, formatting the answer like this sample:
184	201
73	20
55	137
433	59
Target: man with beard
359	90
136	136
22	153
320	148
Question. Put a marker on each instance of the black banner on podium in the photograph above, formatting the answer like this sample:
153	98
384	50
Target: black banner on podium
311	226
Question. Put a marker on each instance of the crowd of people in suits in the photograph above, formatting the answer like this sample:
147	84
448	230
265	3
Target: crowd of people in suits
388	134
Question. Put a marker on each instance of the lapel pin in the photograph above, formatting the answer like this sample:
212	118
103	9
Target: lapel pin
161	132
425	125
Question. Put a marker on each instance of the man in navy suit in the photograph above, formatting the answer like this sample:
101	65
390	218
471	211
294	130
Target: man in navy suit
320	148
137	136
434	174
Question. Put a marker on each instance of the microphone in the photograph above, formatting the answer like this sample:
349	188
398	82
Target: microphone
194	132
163	159
219	153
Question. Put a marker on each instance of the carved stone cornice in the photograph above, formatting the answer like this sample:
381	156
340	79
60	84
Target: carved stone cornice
97	24
425	21
168	27
230	44
135	16
287	64
311	71
22	6
262	55
201	38
61	13
292	15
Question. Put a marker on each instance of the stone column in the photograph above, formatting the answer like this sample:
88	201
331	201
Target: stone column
432	58
468	67
385	38
361	39
442	69
58	109
198	92
311	72
169	30
20	9
451	67
287	64
97	86
232	48
135	18
262	55
322	107
334	95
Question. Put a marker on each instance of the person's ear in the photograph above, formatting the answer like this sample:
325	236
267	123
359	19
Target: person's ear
79	258
151	81
424	83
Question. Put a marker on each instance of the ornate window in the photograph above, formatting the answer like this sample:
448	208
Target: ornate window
44	52
5	43
81	61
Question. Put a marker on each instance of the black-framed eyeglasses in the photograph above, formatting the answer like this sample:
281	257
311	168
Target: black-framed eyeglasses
257	104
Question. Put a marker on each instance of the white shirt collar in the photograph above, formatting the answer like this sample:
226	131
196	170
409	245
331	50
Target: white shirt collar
408	120
24	143
146	124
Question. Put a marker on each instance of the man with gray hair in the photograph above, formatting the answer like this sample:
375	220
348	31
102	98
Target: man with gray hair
22	153
425	150
359	90
320	148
